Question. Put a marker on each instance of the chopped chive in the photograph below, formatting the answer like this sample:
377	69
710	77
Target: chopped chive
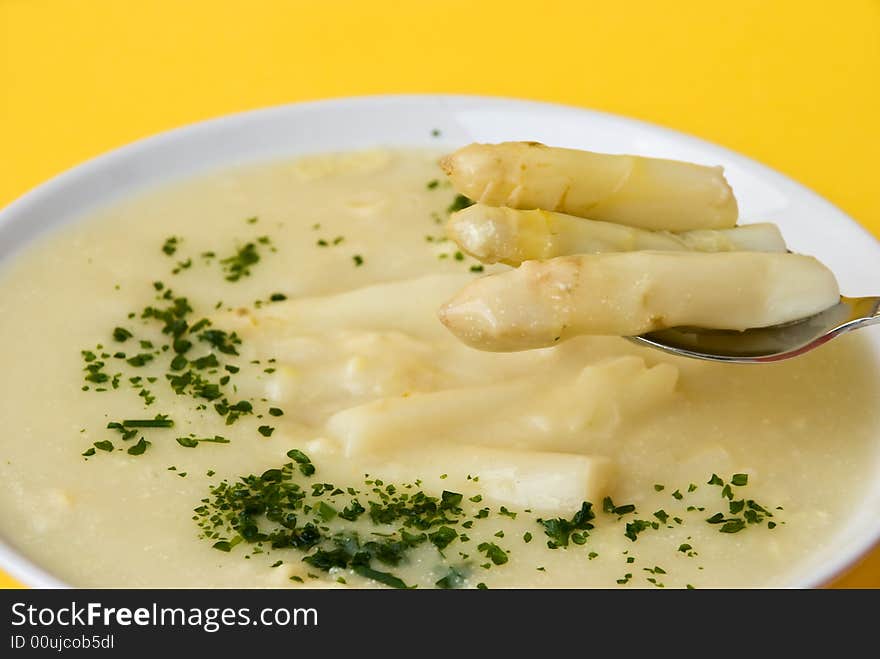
158	422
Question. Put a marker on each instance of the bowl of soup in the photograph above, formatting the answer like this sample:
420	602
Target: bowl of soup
224	367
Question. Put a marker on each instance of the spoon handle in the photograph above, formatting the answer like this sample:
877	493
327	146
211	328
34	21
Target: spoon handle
867	311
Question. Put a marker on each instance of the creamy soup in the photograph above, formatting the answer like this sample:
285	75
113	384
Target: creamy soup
241	380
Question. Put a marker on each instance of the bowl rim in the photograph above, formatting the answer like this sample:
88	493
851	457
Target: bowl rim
31	574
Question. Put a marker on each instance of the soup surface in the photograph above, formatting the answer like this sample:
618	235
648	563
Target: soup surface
241	380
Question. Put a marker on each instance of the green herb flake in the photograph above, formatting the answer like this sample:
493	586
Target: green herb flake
326	511
139	448
239	264
139	360
493	552
634	528
298	456
385	578
442	537
460	202
170	245
733	526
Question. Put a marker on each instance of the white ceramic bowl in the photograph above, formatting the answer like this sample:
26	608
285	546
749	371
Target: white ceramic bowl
809	223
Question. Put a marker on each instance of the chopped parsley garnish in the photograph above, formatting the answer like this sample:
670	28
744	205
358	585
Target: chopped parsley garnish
459	203
139	448
454	579
239	264
358	260
559	530
750	511
382	577
442	537
170	245
609	507
493	552
637	526
139	360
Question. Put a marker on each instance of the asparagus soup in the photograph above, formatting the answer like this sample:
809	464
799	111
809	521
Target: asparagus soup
242	380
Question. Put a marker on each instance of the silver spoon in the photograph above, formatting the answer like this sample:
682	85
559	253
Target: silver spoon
767	344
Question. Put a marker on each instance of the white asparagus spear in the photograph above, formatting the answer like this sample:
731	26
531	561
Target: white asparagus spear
407	306
649	193
630	293
507	235
573	413
543	481
540	481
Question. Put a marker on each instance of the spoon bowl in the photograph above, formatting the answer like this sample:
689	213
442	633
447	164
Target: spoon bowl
766	344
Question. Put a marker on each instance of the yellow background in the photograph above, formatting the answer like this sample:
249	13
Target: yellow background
792	83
